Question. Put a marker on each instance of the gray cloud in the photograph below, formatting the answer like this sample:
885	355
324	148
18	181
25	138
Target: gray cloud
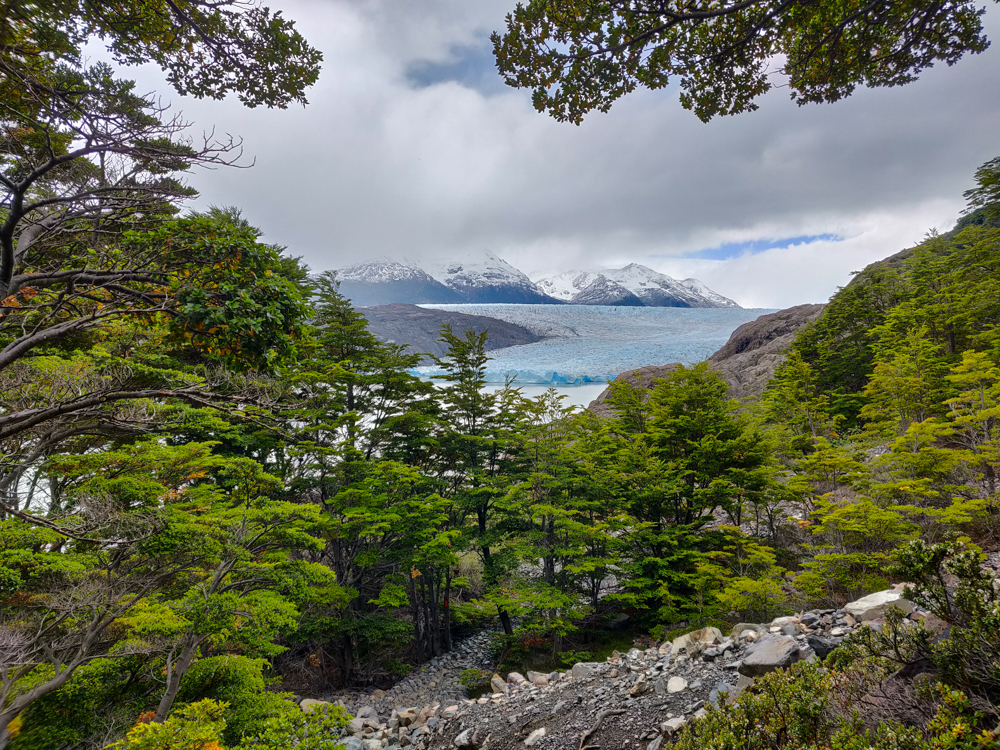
411	146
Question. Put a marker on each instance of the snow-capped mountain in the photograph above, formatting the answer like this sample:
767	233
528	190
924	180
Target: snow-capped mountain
632	285
659	290
479	277
485	278
383	281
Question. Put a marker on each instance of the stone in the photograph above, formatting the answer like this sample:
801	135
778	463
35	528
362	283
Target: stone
584	669
676	684
933	623
353	743
790	629
373	744
821	645
742	683
516	678
696	641
660	687
356	726
742	627
366	712
715	695
810	619
768	654
655	744
873	606
498	684
308	705
540	680
406	716
464	739
639	687
535	737
670	726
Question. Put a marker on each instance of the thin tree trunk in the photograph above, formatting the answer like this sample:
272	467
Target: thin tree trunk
175	672
447	610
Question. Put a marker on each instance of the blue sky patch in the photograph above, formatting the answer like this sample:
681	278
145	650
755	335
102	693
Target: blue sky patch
736	249
472	66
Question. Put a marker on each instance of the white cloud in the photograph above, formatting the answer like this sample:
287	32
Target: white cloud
378	165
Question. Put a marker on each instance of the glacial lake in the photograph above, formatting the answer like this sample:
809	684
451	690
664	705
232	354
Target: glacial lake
587	346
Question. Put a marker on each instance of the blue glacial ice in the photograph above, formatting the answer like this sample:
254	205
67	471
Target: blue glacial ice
593	344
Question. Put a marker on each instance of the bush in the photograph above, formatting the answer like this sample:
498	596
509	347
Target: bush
99	699
797	709
753	600
239	682
197	726
319	730
969	659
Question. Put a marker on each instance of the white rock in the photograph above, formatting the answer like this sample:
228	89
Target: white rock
873	606
670	726
676	684
533	738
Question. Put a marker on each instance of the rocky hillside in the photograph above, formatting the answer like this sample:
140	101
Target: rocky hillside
755	349
634	700
747	361
420	327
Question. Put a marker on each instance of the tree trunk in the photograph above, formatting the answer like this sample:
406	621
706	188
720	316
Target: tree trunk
447	610
174	674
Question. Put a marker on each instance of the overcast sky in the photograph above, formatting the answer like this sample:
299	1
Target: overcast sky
412	146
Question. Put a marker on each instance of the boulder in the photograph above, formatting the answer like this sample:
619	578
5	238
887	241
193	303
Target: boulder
696	641
308	705
742	683
516	678
535	737
655	744
741	627
873	606
639	687
356	726
406	716
498	684
584	669
372	744
353	743
670	726
715	695
464	739
822	646
366	712
676	684
768	654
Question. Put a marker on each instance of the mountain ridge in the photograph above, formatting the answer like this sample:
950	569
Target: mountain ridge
487	278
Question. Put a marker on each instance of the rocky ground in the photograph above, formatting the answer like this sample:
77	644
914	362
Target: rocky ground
633	700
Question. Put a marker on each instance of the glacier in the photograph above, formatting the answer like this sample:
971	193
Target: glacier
593	344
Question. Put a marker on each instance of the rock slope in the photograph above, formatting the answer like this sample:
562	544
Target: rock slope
634	700
420	327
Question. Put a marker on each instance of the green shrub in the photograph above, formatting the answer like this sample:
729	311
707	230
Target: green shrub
98	698
240	682
197	726
801	709
753	600
319	730
474	679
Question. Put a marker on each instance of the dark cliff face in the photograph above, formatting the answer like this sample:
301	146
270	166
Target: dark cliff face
420	327
747	361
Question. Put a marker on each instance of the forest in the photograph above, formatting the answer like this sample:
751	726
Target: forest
217	487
